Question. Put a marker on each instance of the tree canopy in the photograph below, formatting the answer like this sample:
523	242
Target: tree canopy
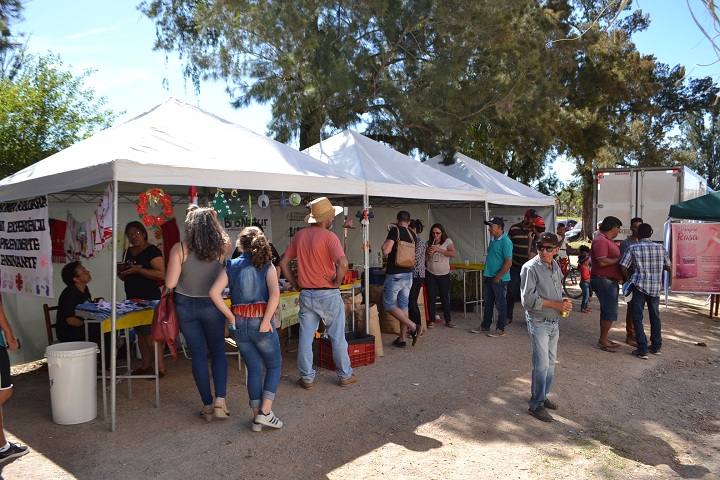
43	110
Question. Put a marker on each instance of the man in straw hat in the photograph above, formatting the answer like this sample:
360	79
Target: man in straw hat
322	264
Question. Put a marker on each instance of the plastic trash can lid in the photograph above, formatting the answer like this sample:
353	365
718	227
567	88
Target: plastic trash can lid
71	349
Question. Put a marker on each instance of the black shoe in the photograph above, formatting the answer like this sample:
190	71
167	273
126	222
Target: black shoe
14	451
398	343
550	405
541	414
639	354
655	351
415	334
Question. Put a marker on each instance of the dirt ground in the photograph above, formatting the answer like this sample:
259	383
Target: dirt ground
453	407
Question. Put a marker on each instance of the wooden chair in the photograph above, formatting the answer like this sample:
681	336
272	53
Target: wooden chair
49	323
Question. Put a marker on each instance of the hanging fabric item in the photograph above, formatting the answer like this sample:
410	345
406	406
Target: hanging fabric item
104	220
57	240
283	201
220	205
73	246
237	210
192	193
250	209
171	236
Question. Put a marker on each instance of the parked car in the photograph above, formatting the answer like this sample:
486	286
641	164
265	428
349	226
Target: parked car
574	233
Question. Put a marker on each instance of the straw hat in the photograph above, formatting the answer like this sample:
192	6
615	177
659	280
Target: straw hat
321	209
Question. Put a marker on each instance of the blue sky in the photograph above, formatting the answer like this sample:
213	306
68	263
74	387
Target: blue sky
113	38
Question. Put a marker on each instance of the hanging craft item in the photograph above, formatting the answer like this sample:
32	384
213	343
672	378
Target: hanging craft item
263	200
306	201
192	193
237	210
295	199
250	209
283	201
220	205
364	215
154	197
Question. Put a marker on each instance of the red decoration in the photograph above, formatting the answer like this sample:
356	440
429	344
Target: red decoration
154	197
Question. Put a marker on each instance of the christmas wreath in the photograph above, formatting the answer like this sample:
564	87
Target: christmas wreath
154	197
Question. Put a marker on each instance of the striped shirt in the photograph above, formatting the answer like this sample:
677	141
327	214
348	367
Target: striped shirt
518	235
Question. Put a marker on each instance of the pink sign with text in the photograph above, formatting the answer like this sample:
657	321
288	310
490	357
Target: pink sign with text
696	257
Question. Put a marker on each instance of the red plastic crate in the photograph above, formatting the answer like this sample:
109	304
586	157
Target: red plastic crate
361	348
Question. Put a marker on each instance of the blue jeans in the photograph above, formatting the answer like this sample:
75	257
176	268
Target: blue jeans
544	337
435	283
259	350
413	307
607	293
397	288
495	296
585	287
512	291
203	327
326	305
639	299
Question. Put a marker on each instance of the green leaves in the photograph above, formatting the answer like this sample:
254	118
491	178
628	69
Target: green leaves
43	110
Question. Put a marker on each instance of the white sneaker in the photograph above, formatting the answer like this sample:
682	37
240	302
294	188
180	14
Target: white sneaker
269	420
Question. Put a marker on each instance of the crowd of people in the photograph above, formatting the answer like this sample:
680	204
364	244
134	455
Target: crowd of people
526	263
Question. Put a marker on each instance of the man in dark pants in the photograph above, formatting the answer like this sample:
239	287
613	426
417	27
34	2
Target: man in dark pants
624	245
522	236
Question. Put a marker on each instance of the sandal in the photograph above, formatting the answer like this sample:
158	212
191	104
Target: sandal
207	411
221	410
607	348
430	324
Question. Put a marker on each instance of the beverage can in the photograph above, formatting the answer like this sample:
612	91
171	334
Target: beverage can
565	314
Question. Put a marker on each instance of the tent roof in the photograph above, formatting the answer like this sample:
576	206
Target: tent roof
178	144
706	207
388	172
501	189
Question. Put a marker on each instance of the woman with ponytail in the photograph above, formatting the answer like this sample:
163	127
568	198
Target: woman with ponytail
254	294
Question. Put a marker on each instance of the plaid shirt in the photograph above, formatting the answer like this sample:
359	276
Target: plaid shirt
648	259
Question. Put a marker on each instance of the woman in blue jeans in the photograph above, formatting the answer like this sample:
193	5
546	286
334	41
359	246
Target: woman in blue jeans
193	266
254	294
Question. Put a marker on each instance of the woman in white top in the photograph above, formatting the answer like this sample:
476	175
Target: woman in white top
440	250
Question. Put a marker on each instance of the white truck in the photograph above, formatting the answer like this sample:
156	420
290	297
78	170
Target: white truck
647	193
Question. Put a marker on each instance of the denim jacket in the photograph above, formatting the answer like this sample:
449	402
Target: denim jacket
247	284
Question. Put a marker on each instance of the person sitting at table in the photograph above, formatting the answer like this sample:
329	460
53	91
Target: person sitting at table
69	327
254	296
144	266
193	266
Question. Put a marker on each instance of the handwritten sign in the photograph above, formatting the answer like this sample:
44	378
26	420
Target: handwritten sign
25	248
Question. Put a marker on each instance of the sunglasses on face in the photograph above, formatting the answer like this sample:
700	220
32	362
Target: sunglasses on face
542	248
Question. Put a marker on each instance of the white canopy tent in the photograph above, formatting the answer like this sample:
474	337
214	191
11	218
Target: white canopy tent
501	189
174	144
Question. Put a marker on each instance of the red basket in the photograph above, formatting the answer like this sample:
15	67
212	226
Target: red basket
361	349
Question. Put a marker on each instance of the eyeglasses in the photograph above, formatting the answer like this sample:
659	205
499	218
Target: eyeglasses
542	248
437	233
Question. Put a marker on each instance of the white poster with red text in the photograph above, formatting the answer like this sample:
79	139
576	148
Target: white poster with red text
26	248
696	257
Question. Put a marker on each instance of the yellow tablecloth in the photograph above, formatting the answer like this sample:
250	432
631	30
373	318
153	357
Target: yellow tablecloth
288	312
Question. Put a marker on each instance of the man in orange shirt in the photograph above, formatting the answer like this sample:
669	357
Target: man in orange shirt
322	264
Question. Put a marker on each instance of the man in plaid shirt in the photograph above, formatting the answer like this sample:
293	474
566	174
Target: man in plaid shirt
648	259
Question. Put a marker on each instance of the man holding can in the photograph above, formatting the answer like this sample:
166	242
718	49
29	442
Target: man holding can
541	296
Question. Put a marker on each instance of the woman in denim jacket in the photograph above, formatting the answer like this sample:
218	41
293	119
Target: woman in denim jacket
254	294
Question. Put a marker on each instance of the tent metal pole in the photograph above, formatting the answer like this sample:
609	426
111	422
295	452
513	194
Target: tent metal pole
366	260
113	313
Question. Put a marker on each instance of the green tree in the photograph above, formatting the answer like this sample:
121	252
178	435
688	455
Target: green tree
701	131
416	73
10	12
44	110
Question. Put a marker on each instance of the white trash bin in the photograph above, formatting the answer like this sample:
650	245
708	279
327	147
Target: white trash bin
73	381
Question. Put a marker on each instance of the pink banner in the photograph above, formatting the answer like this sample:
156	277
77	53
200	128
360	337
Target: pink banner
696	257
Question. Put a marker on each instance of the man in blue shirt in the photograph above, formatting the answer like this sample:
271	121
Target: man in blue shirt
497	276
648	260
